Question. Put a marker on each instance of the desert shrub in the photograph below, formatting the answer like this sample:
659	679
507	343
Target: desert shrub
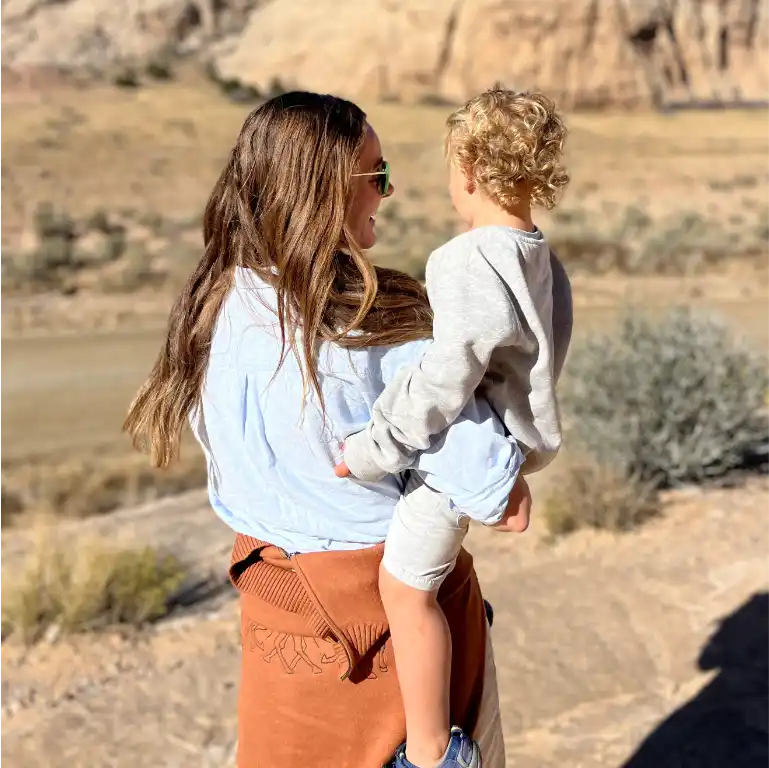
592	243
589	251
85	585
134	271
81	486
102	239
53	255
657	404
56	232
597	494
114	252
635	243
277	87
761	229
436	100
685	242
126	77
232	88
11	504
159	68
407	240
675	400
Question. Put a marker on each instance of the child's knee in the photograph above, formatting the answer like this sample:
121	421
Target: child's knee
395	593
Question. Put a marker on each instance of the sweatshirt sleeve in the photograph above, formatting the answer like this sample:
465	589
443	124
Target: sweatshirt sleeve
473	314
473	463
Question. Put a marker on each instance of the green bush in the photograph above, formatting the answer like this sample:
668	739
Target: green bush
675	400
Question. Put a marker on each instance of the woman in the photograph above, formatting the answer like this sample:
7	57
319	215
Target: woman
277	348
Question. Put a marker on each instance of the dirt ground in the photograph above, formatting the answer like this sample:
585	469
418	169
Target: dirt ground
651	645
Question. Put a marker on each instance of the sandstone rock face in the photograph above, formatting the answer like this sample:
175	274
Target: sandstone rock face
585	53
592	53
95	34
613	52
355	48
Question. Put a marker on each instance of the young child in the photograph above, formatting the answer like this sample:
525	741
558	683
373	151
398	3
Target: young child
491	290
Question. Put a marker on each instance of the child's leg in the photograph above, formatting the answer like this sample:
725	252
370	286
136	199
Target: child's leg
422	647
421	549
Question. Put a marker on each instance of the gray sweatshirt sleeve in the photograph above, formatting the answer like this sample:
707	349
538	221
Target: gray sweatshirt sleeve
473	314
563	315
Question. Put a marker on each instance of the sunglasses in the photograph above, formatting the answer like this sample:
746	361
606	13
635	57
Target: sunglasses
383	178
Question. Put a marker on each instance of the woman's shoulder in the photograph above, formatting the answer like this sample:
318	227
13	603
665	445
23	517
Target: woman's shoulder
393	359
248	333
366	370
246	330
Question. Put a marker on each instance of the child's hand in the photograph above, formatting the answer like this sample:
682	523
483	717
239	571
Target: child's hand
518	510
341	469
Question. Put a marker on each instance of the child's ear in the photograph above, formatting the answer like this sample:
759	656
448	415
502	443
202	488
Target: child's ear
470	186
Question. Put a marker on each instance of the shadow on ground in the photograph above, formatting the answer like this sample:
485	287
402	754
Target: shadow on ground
726	724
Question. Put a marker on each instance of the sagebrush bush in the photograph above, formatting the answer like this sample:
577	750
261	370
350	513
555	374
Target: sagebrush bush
635	242
11	504
159	68
126	77
675	399
85	585
597	494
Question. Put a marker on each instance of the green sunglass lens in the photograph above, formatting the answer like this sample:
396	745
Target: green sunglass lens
384	180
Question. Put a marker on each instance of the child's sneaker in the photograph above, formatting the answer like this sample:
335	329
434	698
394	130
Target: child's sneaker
462	752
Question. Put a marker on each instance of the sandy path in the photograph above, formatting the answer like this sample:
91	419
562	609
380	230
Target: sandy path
71	391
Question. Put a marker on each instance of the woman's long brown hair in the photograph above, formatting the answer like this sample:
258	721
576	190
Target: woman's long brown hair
279	209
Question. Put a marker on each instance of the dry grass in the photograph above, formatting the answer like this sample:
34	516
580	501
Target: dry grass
589	494
68	586
91	484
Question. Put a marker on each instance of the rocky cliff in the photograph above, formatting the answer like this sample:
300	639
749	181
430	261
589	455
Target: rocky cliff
586	53
97	34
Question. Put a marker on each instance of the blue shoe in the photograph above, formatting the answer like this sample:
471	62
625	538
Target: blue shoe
489	612
462	752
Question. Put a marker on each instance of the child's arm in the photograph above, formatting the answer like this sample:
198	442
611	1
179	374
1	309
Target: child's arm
474	313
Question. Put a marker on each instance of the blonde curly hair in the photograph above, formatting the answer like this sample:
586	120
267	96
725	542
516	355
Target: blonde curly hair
507	141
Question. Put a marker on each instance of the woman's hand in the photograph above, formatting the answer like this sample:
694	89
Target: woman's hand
518	510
